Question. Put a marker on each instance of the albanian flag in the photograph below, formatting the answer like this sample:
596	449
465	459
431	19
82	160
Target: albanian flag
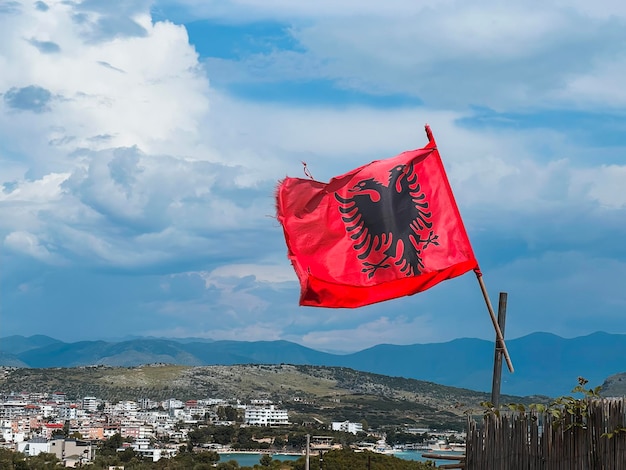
387	229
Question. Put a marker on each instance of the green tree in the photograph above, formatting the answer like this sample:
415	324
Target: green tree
348	460
297	440
395	437
230	465
110	446
279	442
266	460
6	458
200	435
223	434
21	465
127	454
58	434
231	413
10	460
203	466
244	439
182	461
208	457
105	461
43	461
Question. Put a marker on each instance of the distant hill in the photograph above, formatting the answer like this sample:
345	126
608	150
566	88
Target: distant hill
17	344
545	364
614	386
309	392
10	360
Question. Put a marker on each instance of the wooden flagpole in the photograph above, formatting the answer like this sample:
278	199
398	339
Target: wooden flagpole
499	335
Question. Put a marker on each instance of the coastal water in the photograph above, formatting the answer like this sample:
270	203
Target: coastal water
417	455
249	459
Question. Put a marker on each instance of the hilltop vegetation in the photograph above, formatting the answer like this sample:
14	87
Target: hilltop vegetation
308	392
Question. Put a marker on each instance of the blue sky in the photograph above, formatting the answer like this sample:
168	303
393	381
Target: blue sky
141	143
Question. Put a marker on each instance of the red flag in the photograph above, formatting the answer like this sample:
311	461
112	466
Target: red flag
385	230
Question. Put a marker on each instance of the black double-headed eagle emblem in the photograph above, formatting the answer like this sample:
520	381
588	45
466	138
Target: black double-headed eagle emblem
389	223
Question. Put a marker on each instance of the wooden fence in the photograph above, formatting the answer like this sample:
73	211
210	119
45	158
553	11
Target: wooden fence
530	440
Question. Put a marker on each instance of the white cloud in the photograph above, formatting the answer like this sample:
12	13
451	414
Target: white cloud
605	9
113	167
29	244
383	330
261	273
22	205
506	169
331	140
452	54
138	90
603	184
599	86
44	190
259	331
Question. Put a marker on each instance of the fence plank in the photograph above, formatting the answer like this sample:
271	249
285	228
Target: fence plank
538	441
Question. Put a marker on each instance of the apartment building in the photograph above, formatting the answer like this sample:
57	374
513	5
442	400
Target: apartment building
266	416
347	426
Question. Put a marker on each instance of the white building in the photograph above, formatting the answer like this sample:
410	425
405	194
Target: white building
266	416
7	433
347	426
260	402
12	407
147	404
142	446
173	403
34	447
212	402
90	404
67	412
58	397
129	407
48	409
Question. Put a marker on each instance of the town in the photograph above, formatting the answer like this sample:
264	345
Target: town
34	422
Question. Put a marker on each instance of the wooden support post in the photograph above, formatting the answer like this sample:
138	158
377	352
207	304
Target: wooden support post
308	446
497	360
499	335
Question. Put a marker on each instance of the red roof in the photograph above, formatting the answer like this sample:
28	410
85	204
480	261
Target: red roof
54	425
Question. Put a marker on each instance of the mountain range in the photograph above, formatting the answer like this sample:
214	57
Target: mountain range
545	364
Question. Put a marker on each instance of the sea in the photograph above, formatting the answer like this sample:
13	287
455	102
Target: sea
249	459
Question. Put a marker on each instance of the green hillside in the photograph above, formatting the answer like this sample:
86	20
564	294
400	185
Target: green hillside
308	392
